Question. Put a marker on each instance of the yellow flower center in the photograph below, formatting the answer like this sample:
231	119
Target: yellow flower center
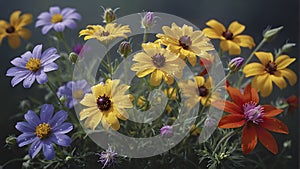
43	130
104	103
10	29
203	91
271	67
77	94
56	18
33	64
228	35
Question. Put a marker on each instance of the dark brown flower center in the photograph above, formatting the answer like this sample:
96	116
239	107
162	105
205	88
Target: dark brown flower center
228	35
105	33
103	103
158	60
271	67
203	91
10	29
185	42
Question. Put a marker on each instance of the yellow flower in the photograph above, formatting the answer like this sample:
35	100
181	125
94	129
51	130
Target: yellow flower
105	34
171	93
185	41
231	40
107	103
14	30
142	103
195	96
161	63
269	71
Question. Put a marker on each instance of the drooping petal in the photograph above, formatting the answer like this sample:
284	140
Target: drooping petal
46	112
35	148
249	138
14	41
267	86
24	33
28	81
144	72
48	150
61	139
283	61
264	57
50	67
267	140
289	74
231	47
63	128
236	28
244	41
26	138
275	125
41	77
156	77
279	81
232	121
46	29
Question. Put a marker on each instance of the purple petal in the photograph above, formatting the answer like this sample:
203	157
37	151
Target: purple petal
44	16
48	150
46	112
50	67
32	118
25	127
16	71
41	77
70	23
67	11
46	29
48	52
61	139
29	80
74	15
19	62
26	55
35	148
18	78
54	10
58	118
59	27
42	22
49	59
63	128
26	138
37	51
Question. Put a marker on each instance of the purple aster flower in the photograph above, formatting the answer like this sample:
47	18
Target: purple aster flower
73	91
33	66
107	157
166	131
58	19
43	131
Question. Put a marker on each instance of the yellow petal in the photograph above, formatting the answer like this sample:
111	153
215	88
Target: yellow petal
209	83
284	61
14	41
236	28
123	114
24	33
192	59
88	100
199	80
279	81
98	90
253	69
25	19
144	72
264	83
211	33
85	113
233	48
290	75
216	26
168	78
244	41
93	121
14	18
156	78
264	57
112	120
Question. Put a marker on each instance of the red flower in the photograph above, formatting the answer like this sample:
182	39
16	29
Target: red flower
293	103
258	120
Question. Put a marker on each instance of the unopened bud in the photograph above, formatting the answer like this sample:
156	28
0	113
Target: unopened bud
11	141
166	131
125	49
235	64
269	34
109	15
73	57
286	47
148	20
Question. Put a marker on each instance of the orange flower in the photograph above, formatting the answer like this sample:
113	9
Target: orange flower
245	110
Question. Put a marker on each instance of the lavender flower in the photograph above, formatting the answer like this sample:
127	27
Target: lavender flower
107	157
73	91
58	19
148	20
236	63
166	131
44	131
33	66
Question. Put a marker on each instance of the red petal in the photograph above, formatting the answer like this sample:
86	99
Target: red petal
227	106
275	125
293	101
271	111
236	96
231	121
267	140
249	138
251	94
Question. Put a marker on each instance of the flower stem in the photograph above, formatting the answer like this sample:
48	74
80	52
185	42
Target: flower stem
54	93
11	161
145	36
248	60
227	136
109	64
61	37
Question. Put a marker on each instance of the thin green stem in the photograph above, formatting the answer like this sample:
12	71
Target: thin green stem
61	37
227	136
11	161
54	93
145	36
248	60
109	64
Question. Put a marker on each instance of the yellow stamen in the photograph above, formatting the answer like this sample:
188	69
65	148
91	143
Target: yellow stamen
77	94
56	18
33	64
43	130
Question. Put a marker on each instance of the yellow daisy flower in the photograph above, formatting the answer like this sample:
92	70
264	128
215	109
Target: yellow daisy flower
161	63
201	95
14	30
231	40
106	104
185	41
269	71
105	34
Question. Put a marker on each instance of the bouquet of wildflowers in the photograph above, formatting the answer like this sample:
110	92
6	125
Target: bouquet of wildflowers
148	90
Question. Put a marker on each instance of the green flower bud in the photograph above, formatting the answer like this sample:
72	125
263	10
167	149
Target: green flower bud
11	141
109	15
286	47
269	34
125	48
73	57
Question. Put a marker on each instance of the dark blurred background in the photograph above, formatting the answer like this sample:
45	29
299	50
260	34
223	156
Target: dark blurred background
255	14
